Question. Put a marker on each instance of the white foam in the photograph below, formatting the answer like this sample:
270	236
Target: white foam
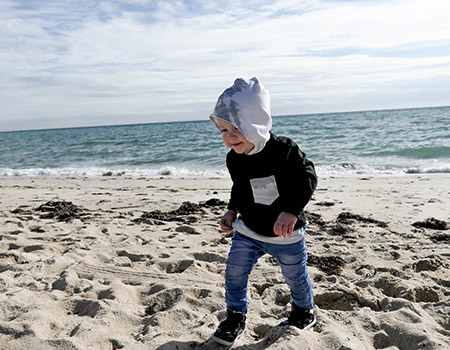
437	170
167	171
330	170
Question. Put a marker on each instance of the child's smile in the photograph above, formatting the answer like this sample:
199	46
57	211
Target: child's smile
233	138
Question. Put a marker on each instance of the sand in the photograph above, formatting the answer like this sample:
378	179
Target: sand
115	263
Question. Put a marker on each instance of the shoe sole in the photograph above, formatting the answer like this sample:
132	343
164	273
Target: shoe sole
224	342
312	324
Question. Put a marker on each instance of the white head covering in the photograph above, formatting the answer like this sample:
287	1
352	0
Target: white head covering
246	105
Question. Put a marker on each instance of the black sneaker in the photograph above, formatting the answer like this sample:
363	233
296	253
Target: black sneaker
300	318
230	329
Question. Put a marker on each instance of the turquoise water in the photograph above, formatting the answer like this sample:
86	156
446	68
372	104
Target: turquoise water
395	142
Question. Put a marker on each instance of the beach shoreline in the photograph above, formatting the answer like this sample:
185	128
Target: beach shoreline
136	263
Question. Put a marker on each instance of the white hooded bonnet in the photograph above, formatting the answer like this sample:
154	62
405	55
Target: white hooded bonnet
246	105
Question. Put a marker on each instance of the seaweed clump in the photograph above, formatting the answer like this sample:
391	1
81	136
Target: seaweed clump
346	217
432	223
60	211
184	214
331	265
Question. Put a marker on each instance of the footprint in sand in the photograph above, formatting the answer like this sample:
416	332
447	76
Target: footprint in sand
276	295
209	257
427	265
83	307
162	301
70	282
134	257
344	300
16	330
176	266
402	336
13	246
32	248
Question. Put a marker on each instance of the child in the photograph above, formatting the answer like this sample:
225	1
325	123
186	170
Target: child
272	183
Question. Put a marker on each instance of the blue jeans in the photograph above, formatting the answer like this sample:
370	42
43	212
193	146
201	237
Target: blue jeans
244	253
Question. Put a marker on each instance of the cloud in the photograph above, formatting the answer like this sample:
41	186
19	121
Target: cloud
68	63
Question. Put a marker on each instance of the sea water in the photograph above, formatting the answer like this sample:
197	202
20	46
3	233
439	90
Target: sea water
367	143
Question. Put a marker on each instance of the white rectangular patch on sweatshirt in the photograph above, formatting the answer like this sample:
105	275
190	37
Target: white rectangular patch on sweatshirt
265	190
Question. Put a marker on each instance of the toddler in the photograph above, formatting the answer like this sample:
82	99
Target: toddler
272	183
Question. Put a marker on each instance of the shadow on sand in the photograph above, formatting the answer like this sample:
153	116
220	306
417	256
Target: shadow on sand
273	333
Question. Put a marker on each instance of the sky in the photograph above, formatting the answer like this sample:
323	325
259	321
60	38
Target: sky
66	63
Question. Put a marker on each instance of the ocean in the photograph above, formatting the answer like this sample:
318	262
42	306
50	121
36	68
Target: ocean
367	143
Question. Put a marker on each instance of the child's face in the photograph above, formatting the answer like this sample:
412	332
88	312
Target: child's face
233	138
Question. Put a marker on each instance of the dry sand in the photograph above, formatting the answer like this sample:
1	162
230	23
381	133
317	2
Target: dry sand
127	265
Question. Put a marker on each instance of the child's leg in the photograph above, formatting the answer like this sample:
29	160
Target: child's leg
241	258
292	259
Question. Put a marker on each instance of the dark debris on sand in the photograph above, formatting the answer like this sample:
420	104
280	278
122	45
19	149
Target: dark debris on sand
331	265
344	225
57	210
60	211
346	218
441	238
432	223
340	229
314	218
184	214
325	204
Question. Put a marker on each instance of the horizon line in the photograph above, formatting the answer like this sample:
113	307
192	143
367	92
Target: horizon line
203	120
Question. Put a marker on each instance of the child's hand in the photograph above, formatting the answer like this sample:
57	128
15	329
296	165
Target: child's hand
227	221
284	226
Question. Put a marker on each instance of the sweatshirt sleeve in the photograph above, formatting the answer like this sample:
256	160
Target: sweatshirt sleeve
232	203
296	180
